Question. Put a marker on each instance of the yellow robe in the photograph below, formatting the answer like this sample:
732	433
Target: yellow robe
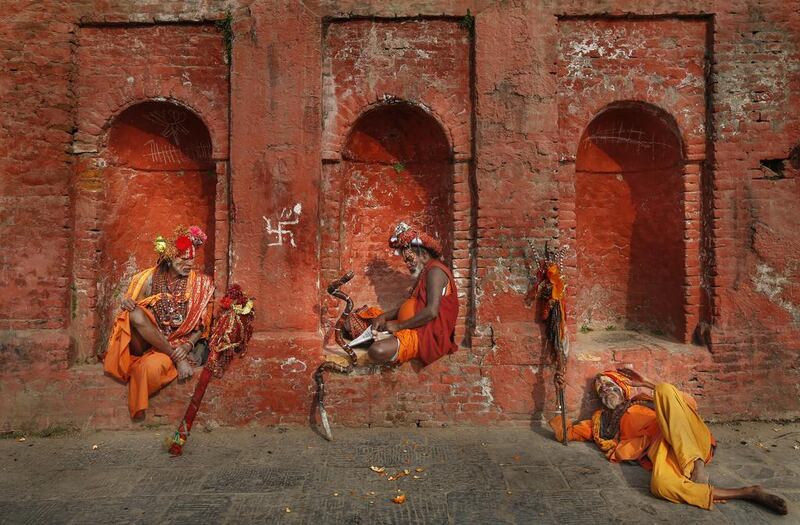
148	373
672	438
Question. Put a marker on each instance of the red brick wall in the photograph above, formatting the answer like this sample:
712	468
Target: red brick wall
513	103
140	92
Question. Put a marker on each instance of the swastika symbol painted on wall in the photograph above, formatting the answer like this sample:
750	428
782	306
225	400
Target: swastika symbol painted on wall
287	217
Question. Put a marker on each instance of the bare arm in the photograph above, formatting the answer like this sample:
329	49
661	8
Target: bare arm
435	281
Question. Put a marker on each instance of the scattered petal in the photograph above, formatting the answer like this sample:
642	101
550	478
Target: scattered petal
399	499
416	477
22	439
406	472
419	469
288	509
796	447
335	493
95	447
379	470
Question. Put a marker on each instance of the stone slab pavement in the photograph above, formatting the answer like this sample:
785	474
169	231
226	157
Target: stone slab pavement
456	475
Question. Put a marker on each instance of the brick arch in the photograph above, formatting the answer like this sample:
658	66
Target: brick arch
396	165
337	133
422	182
159	175
630	220
679	121
664	121
217	130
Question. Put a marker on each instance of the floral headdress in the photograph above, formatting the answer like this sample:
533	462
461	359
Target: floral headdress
183	244
406	236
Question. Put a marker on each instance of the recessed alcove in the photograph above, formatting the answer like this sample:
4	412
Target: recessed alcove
159	175
396	165
630	222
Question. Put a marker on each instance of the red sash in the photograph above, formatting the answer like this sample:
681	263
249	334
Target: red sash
437	338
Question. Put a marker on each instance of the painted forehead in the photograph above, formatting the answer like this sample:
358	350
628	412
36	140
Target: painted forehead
601	381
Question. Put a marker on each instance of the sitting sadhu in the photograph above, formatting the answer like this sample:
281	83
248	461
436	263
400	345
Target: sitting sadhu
423	326
165	313
664	433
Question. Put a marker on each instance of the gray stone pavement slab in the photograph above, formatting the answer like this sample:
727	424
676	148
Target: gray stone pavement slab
454	476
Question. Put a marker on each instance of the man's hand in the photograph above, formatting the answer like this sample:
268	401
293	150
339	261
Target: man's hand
379	323
392	326
128	304
559	379
184	370
636	378
181	353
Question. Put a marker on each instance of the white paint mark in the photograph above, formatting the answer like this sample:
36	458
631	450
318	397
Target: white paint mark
172	122
293	365
287	217
771	284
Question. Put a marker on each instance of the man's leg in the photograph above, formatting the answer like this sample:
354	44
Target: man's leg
384	350
684	430
149	374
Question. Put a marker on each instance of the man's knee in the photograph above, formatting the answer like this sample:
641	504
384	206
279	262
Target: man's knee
383	351
666	390
139	318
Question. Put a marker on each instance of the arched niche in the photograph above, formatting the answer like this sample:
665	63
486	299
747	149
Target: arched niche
159	175
396	165
630	221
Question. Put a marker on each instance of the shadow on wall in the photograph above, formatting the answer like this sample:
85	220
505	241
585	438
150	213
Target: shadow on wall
160	175
630	221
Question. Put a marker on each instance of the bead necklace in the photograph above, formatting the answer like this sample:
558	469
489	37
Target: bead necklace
170	310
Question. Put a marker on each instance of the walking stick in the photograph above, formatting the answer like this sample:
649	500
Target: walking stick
229	336
560	347
549	288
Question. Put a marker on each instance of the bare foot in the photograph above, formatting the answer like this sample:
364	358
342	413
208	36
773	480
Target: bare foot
699	474
770	501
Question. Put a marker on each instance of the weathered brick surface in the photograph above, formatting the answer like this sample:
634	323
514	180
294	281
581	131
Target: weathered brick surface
513	104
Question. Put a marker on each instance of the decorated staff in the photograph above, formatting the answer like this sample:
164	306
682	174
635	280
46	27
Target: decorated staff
229	336
549	288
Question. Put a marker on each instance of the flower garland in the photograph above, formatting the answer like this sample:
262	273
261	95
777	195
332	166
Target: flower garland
184	243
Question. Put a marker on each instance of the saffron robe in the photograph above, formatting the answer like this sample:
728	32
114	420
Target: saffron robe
148	373
667	440
434	339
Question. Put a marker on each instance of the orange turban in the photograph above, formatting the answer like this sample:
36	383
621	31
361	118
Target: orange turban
619	379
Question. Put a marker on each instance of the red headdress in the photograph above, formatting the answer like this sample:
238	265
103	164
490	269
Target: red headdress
184	243
405	236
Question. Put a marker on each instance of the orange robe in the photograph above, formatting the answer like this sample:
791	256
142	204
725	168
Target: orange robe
668	439
434	339
148	373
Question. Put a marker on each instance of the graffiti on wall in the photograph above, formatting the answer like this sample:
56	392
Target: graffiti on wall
287	217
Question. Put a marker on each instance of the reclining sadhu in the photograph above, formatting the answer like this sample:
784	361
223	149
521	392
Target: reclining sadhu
664	433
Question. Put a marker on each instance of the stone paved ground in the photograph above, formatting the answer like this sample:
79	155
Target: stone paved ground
467	475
